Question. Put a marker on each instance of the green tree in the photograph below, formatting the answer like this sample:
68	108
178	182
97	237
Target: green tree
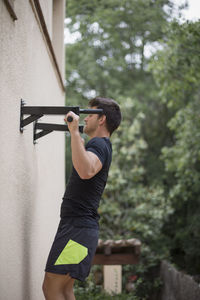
177	70
111	58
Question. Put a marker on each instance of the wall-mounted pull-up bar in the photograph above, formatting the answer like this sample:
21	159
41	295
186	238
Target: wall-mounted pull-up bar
36	112
46	128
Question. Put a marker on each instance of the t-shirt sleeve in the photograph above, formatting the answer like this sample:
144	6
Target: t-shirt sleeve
98	147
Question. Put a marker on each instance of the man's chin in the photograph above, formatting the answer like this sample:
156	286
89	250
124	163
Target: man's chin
85	129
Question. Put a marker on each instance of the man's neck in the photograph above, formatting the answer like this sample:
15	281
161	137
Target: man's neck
101	134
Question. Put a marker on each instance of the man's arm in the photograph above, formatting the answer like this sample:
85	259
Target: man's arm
86	163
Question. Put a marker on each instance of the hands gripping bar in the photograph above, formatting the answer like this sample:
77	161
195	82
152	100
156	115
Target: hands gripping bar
69	119
86	111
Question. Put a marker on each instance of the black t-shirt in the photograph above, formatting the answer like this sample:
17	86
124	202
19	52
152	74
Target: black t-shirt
82	196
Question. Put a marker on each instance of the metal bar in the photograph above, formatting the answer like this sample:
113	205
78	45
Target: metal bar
57	110
48	128
30	119
41	134
91	111
49	110
37	112
55	127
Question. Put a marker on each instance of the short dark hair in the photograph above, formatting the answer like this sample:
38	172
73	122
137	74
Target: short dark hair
111	110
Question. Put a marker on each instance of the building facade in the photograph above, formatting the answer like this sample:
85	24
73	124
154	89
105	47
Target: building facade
32	176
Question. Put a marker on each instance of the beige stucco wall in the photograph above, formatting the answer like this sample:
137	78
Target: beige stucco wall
31	176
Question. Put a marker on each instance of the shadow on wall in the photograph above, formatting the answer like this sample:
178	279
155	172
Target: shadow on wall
27	194
26	284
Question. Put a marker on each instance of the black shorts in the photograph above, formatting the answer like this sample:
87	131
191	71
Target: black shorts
73	250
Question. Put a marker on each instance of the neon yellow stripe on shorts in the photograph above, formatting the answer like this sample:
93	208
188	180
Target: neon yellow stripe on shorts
73	253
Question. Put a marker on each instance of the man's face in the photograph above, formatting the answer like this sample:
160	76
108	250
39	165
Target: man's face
91	123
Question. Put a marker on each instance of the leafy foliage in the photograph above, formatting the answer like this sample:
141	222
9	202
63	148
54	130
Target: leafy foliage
153	187
177	70
95	293
110	56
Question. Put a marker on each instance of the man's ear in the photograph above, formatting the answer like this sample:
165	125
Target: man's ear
102	119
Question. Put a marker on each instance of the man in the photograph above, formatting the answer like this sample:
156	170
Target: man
76	240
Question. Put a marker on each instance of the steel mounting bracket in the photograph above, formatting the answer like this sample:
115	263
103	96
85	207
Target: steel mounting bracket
45	128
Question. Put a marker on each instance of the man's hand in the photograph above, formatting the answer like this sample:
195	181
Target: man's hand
74	125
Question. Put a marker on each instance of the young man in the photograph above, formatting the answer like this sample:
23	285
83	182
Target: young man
76	240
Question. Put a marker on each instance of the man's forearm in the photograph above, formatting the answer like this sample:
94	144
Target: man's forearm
86	163
82	160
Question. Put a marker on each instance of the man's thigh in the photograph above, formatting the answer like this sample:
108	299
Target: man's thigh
57	282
